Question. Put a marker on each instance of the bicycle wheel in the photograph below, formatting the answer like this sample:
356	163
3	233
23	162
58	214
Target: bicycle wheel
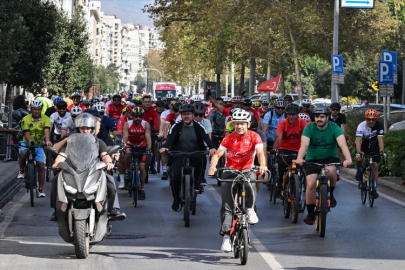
363	190
244	247
235	245
295	199
286	202
275	190
187	200
371	185
157	155
30	178
302	193
270	185
48	167
323	195
194	203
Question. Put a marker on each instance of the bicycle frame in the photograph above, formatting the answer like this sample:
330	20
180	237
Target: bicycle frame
185	170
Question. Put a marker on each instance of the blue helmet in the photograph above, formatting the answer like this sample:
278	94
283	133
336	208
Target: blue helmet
57	99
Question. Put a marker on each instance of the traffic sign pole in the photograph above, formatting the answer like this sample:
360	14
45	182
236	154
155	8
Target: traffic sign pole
385	114
335	86
403	83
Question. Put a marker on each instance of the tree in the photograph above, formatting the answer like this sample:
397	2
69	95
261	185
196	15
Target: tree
139	82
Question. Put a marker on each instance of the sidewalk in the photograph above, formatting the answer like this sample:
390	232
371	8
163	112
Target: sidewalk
8	177
392	183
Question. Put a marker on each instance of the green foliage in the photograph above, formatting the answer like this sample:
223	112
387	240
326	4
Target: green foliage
108	78
395	148
139	82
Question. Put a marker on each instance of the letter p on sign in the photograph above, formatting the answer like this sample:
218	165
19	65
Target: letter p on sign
385	73
337	64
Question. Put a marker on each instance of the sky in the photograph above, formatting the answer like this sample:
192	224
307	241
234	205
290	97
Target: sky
129	11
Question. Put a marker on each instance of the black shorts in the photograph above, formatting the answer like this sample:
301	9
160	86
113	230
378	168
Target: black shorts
269	145
372	152
311	169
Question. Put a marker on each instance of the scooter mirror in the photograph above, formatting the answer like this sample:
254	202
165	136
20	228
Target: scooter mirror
113	149
50	149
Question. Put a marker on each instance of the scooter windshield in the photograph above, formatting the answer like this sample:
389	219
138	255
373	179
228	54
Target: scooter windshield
82	150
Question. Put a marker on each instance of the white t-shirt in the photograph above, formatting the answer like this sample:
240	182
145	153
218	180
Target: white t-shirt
56	120
165	114
68	125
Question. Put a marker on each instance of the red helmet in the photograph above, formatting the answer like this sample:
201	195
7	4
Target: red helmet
371	114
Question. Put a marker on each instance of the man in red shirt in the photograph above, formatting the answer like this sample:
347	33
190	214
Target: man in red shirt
288	139
240	148
263	109
76	101
152	117
114	110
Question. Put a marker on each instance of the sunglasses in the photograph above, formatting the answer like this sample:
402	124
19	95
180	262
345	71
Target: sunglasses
117	100
371	120
63	108
335	110
288	100
280	108
198	114
306	106
138	116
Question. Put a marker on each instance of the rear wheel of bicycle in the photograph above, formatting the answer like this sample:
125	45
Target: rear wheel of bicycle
244	247
323	195
286	203
371	186
363	190
296	196
187	200
30	178
194	203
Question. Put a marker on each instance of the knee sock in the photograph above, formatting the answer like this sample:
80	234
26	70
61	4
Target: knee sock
331	191
311	209
375	186
358	168
122	179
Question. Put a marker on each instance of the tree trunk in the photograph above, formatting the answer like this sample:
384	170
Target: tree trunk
242	77
297	65
252	77
281	86
9	93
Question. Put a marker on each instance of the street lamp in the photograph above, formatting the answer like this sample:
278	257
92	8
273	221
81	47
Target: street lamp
161	77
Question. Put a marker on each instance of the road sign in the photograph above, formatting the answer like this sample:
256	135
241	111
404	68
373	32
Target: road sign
388	56
337	64
385	73
375	86
386	90
357	3
338	78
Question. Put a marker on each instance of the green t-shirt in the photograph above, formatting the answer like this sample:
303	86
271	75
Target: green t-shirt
36	128
229	127
47	103
322	143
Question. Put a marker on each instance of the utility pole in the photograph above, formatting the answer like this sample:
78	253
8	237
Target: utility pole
335	86
403	83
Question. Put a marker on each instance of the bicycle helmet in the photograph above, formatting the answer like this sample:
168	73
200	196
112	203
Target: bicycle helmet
57	99
100	107
160	103
241	116
371	114
176	106
86	103
292	109
235	110
289	96
170	95
305	102
196	99
44	91
75	94
186	108
61	104
199	107
265	102
95	100
304	116
188	101
335	105
182	98
225	98
127	109
237	99
36	103
75	111
138	111
253	124
86	120
321	109
279	102
257	104
247	102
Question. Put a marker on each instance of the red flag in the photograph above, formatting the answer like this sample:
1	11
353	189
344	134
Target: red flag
269	85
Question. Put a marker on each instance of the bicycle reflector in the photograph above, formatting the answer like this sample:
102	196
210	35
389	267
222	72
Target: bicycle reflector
63	207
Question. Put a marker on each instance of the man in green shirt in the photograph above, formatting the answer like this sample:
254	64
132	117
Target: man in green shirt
35	126
46	102
318	141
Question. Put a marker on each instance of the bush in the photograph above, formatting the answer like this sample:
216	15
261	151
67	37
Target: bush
395	148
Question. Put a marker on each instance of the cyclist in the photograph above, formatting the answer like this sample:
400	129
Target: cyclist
114	110
318	142
288	139
337	117
271	121
182	99
369	140
160	108
236	102
105	120
288	99
217	118
187	136
247	106
152	117
304	117
208	109
172	118
67	99
76	98
47	103
263	109
53	108
306	104
137	132
36	127
199	111
68	126
240	148
57	119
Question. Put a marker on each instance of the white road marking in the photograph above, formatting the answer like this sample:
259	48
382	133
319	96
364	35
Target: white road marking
9	215
267	256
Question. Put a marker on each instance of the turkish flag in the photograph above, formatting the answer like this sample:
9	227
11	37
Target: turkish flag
269	85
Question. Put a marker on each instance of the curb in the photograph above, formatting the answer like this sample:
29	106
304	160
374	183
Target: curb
9	182
381	181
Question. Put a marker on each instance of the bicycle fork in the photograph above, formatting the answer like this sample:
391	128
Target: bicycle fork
319	183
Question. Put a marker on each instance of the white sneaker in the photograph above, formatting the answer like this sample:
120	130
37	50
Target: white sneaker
41	194
121	185
226	244
252	217
20	175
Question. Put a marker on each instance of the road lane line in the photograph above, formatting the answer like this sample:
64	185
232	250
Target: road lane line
267	256
9	215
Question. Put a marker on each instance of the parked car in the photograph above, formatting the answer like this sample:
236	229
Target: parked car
262	96
378	107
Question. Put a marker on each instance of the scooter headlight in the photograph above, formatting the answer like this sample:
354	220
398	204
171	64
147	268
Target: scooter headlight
92	189
69	189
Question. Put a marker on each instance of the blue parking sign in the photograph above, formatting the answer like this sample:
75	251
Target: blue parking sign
337	64
388	56
385	73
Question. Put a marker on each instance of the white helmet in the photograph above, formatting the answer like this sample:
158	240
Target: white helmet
237	99
44	90
75	94
304	116
36	103
76	110
280	102
305	101
196	99
241	116
99	106
225	98
182	98
170	95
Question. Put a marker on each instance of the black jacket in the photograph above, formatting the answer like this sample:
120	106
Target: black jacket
174	135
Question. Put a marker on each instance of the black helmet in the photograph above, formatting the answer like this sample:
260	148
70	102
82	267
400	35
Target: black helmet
199	107
292	109
186	108
253	124
138	111
176	106
335	105
92	111
160	103
61	104
265	102
319	109
247	102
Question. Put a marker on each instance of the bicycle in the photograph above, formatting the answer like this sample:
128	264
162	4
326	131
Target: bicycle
48	166
240	227
292	189
31	177
368	183
134	184
157	147
221	161
273	178
322	203
188	193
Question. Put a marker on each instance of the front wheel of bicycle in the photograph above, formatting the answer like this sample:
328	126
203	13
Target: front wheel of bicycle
323	195
30	178
363	190
244	247
295	200
371	186
187	200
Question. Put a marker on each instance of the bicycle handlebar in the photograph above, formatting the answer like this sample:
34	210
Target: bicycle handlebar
176	153
232	170
323	165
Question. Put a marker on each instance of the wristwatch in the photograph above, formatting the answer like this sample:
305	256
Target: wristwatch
213	164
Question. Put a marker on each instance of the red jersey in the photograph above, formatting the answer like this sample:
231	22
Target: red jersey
112	113
291	134
136	134
152	117
208	111
254	113
171	117
241	150
261	112
80	104
121	122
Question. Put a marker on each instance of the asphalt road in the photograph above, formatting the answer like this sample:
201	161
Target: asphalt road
154	237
